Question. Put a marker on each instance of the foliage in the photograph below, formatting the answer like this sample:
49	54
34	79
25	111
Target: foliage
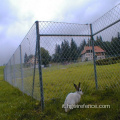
73	51
108	61
68	52
45	57
26	58
81	47
65	51
112	47
57	54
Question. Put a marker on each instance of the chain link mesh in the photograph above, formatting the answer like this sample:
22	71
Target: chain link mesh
19	69
107	36
67	57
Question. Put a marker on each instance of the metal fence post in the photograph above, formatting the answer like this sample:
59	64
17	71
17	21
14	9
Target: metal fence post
10	73
94	59
34	69
21	67
14	70
5	73
39	64
6	69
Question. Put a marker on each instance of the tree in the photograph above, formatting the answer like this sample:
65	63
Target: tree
57	55
45	56
89	43
26	58
81	47
30	56
73	50
65	51
118	35
115	44
57	49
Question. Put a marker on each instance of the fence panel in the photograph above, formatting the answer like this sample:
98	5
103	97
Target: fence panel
61	47
20	67
107	37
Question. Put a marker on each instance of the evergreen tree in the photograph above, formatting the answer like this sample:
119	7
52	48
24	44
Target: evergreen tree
26	58
81	47
98	42
57	54
57	49
115	44
73	50
118	35
65	51
30	56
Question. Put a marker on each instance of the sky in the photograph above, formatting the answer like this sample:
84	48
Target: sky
17	17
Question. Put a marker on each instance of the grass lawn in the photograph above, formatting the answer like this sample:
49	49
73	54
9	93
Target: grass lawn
58	82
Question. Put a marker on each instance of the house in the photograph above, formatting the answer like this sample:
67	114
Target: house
87	53
32	60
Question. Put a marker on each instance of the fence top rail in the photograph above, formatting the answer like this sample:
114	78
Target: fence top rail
63	29
107	27
55	35
54	22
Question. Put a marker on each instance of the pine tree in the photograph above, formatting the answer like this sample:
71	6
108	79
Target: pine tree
26	58
73	50
65	51
81	47
57	54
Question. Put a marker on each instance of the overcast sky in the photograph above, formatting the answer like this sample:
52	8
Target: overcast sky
17	17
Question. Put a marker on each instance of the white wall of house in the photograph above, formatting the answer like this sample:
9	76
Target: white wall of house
101	56
89	56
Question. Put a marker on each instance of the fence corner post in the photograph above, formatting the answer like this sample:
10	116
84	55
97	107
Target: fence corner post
94	59
39	64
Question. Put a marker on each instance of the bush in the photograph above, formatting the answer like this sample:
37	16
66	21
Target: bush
108	61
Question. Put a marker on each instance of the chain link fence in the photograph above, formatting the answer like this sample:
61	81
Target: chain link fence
53	56
20	68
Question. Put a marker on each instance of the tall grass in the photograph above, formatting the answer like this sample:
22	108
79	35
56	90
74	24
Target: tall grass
57	83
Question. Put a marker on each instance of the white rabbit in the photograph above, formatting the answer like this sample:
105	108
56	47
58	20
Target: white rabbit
73	98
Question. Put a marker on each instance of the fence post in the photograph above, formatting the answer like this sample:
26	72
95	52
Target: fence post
5	73
10	73
34	69
39	64
21	69
94	59
14	70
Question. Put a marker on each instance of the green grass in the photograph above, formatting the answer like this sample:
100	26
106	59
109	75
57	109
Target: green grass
58	82
16	106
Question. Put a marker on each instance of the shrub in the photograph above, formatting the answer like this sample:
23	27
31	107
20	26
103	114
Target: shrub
108	61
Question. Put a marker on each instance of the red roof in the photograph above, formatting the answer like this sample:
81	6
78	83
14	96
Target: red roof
96	49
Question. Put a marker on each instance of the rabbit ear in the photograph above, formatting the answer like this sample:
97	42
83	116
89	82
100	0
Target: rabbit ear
76	87
79	85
